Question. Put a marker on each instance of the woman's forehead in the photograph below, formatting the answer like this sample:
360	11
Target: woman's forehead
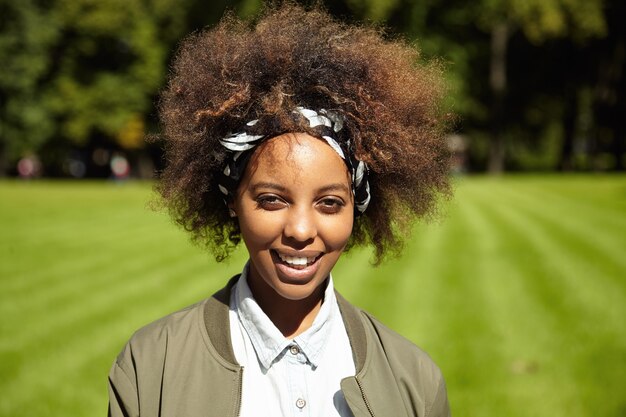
298	147
293	155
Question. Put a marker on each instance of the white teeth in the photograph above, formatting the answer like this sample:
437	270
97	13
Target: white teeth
294	260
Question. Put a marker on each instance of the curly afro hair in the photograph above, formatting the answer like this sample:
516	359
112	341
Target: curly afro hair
239	71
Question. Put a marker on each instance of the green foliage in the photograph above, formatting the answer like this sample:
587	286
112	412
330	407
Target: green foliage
518	294
26	37
81	67
374	10
539	154
539	36
544	19
248	8
110	60
75	70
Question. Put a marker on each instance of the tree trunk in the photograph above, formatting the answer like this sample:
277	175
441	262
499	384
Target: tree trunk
619	109
3	161
497	84
566	162
609	107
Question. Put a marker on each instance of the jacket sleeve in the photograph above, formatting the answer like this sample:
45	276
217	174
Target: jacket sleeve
123	398
440	406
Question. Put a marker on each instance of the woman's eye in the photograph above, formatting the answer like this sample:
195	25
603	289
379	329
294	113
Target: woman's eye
270	202
331	205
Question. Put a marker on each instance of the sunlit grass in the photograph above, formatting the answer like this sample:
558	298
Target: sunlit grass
519	293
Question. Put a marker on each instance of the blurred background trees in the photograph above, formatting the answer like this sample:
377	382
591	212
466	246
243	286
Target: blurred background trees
537	84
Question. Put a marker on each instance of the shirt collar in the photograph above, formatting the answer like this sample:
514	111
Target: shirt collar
268	342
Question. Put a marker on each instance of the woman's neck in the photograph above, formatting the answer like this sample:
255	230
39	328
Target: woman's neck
291	317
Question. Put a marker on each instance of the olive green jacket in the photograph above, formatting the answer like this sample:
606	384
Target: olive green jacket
184	366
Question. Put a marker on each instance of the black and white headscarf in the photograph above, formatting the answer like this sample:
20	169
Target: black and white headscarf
326	123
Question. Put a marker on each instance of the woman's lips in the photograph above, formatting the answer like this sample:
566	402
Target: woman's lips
297	267
297	261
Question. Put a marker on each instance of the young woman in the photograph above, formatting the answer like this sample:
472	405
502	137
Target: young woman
302	137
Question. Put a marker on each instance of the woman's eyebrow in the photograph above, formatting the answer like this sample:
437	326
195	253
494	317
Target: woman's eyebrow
278	187
334	187
271	185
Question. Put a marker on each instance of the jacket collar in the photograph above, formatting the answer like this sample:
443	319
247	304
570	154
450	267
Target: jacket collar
216	323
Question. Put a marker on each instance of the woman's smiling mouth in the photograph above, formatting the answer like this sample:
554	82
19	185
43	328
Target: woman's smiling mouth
298	262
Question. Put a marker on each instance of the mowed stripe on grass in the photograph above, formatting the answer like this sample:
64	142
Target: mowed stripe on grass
102	277
578	293
519	293
531	330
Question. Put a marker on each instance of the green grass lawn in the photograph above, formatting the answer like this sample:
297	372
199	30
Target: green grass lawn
518	293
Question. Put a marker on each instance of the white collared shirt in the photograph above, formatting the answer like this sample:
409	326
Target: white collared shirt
290	377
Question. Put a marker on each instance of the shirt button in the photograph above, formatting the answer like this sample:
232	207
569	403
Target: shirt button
300	403
294	350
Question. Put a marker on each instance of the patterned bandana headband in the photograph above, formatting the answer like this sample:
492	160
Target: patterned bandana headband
326	123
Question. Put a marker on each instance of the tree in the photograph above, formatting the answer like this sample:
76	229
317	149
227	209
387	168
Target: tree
81	67
480	39
609	88
26	36
539	20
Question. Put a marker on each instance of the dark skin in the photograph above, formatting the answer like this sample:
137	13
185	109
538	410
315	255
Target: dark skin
291	317
295	224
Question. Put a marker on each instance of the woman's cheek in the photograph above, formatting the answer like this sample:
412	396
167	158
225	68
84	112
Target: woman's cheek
338	232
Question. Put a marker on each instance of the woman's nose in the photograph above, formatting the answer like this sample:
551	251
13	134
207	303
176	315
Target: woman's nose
300	225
